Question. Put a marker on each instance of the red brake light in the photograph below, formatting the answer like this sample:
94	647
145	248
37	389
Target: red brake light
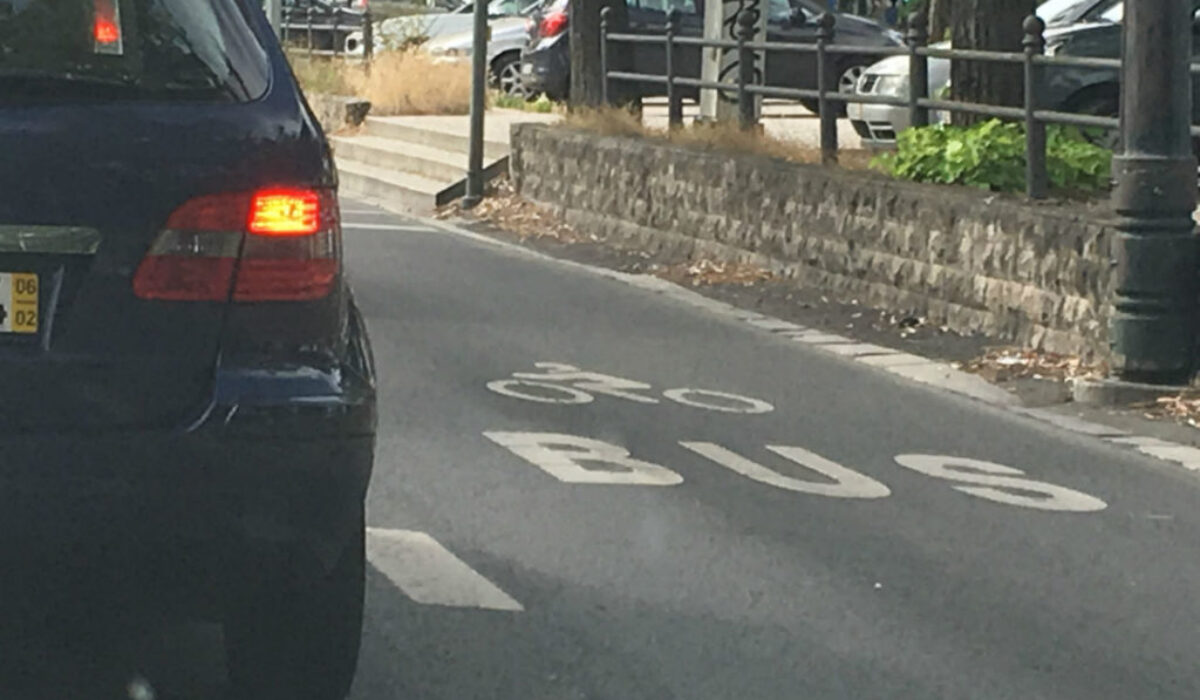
285	213
106	27
106	31
553	24
281	244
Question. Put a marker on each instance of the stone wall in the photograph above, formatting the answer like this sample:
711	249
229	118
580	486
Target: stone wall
1034	274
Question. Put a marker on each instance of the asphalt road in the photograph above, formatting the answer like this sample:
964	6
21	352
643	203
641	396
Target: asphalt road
702	581
681	506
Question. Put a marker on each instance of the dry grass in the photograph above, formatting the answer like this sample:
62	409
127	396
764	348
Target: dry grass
607	121
724	137
319	75
411	82
399	82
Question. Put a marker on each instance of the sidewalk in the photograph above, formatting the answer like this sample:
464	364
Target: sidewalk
782	120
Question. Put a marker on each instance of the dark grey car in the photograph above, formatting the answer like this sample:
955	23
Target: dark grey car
791	21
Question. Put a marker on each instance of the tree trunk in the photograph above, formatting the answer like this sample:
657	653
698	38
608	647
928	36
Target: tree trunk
939	19
987	25
583	26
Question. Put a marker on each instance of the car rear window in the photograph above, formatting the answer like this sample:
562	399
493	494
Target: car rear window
64	50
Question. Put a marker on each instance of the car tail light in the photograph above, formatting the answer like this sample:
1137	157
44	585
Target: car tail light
106	27
271	245
552	24
285	213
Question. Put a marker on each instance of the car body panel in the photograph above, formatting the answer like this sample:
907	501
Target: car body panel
508	35
237	432
544	60
400	31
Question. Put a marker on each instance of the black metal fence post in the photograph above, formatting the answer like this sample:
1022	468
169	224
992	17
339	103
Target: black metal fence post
605	16
1153	331
333	42
745	73
309	24
826	80
1036	179
368	39
674	99
918	69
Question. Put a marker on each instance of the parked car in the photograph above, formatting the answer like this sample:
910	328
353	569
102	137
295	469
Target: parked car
337	24
546	64
508	36
415	29
189	411
1074	27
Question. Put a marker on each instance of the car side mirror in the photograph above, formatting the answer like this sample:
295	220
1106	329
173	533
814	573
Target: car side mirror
798	18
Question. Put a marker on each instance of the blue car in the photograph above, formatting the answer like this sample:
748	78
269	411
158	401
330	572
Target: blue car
188	408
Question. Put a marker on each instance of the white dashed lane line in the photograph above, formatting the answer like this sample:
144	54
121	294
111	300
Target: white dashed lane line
430	574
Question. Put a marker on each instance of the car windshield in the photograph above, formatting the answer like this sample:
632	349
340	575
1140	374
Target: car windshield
1064	11
502	8
149	49
1107	11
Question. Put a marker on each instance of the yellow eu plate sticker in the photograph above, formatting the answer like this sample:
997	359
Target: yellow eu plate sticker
18	302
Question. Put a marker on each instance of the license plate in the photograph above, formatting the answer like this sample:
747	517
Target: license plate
18	302
526	68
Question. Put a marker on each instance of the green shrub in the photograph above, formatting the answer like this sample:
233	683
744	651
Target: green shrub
541	105
991	155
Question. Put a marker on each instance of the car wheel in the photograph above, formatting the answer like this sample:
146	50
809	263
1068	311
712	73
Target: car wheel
847	84
300	639
506	72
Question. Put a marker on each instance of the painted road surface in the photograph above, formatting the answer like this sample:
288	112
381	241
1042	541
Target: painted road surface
684	506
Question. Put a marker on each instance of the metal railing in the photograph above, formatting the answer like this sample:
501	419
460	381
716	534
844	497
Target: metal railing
1033	112
301	29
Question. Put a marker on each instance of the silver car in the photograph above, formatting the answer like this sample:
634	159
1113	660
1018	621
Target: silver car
509	35
878	125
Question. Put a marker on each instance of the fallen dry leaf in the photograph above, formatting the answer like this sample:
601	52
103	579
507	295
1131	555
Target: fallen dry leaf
1017	363
706	272
507	210
1184	408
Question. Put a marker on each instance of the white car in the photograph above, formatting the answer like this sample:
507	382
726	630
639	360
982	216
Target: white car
509	36
399	32
878	125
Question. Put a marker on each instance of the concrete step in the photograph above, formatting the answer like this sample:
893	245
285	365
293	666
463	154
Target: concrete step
428	134
420	195
403	156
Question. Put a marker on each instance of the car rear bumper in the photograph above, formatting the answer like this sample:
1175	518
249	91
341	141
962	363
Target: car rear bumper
269	481
546	71
219	484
